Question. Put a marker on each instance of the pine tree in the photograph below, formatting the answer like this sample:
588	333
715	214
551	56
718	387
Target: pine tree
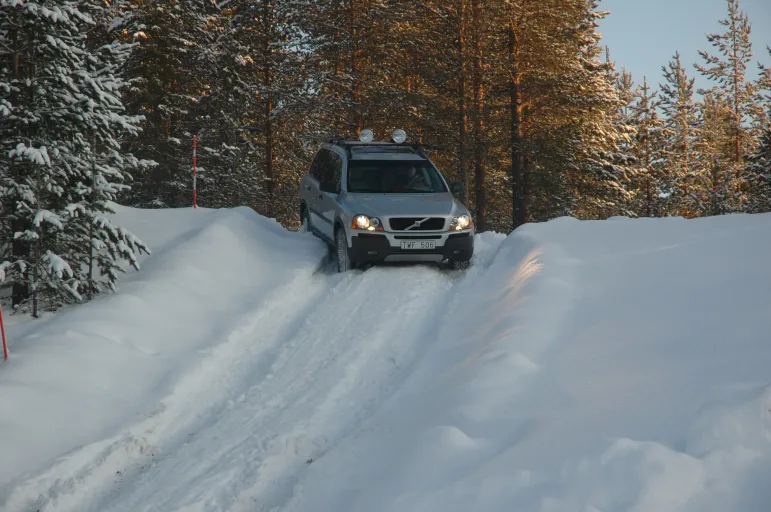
680	113
653	190
601	179
626	156
168	69
759	175
761	117
729	70
716	189
58	95
228	109
96	247
37	145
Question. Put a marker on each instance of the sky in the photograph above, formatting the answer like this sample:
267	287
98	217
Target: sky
643	35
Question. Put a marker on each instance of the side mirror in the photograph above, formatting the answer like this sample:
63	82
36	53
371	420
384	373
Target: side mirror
456	187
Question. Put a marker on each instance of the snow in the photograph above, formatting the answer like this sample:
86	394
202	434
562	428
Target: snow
618	365
35	155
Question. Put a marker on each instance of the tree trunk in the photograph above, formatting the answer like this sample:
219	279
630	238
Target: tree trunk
686	148
715	184
648	196
518	198
19	248
91	224
267	83
38	245
355	67
36	275
479	171
462	107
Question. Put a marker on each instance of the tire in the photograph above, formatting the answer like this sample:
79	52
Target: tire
460	264
341	251
304	226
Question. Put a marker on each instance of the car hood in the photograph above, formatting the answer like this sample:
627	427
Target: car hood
404	204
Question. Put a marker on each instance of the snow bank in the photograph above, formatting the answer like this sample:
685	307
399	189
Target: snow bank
82	374
596	366
621	365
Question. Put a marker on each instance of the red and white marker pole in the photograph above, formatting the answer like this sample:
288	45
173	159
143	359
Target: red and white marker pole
195	171
2	333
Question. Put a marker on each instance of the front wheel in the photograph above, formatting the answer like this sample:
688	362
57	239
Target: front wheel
341	251
304	227
460	264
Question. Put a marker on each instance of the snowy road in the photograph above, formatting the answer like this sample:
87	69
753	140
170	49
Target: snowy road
330	351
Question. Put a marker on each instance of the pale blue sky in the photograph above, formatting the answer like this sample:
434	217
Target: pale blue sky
643	35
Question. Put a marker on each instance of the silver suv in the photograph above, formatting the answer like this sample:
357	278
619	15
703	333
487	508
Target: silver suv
378	202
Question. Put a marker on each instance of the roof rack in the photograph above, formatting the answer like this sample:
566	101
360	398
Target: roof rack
417	147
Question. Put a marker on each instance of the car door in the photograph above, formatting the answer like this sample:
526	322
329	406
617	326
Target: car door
312	190
331	180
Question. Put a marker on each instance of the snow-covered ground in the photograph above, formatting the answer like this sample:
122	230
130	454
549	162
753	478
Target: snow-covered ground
620	365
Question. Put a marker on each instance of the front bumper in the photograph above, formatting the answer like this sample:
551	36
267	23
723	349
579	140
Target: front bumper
377	248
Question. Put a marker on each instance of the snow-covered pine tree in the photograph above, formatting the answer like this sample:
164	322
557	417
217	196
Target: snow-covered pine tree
57	93
679	108
37	145
169	76
652	188
227	147
625	121
716	155
269	37
97	247
759	174
729	71
762	97
601	178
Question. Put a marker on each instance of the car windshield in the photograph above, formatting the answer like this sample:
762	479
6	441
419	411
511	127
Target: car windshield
393	176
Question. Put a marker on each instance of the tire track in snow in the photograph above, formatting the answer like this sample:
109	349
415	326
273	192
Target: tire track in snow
296	377
201	395
342	359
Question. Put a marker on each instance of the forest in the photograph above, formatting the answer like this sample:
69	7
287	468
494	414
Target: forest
520	100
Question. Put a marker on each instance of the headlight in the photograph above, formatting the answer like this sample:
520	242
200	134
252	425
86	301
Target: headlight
461	222
368	223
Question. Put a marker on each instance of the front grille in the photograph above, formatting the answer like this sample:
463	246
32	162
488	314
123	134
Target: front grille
430	224
418	237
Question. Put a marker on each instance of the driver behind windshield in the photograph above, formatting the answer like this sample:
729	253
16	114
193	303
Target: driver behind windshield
393	177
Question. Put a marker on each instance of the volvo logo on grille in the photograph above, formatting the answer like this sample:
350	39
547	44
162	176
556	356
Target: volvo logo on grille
416	224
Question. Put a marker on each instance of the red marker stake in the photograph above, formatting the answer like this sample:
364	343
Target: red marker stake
2	332
195	172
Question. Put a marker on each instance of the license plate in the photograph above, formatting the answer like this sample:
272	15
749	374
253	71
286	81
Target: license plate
418	244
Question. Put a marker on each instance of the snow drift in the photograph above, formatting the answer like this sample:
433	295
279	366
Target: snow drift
597	366
76	377
604	366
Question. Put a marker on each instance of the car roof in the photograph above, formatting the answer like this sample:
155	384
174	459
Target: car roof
357	150
386	156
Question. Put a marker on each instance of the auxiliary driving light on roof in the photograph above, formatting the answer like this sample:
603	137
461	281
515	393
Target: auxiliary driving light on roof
399	136
366	135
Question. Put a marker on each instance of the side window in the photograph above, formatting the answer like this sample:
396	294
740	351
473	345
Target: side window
324	170
318	164
337	171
